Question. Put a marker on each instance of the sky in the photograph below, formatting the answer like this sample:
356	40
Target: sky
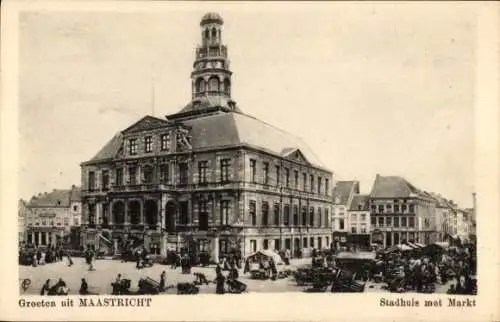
383	88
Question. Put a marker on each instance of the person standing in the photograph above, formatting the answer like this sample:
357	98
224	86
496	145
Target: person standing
45	287
70	261
220	279
84	287
163	281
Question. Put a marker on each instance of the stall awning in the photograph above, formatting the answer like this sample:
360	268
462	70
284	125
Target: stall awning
269	254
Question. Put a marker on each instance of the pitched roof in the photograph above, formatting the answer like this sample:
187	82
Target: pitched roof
111	148
229	129
56	198
359	202
342	192
232	129
394	187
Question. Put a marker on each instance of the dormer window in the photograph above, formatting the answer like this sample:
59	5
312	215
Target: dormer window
148	144
132	146
165	138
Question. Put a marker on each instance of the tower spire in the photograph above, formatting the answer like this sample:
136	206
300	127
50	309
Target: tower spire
211	76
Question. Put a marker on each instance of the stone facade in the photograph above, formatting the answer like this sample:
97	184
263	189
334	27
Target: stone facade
208	178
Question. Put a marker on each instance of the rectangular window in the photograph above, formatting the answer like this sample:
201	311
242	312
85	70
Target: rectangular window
265	244
91	180
105	214
319	185
132	146
148	174
327	218
389	208
304	216
277	244
165	139
403	221
164	173
396	208
304	241
327	186
373	221
266	172
91	219
363	229
295	215
183	173
224	170
320	219
412	209
374	208
202	171
183	213
278	175
265	213
224	212
203	215
353	229
287	178
296	179
132	173
304	181
381	209
105	179
119	176
396	221
363	217
276	214
404	208
311	242
311	217
354	217
253	170
411	222
253	245
252	212
311	182
148	144
286	215
381	221
388	222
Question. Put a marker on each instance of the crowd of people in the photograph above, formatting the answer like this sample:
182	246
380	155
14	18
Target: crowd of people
34	255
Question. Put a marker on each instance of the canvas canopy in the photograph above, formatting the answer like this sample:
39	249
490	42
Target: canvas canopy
267	254
398	247
356	255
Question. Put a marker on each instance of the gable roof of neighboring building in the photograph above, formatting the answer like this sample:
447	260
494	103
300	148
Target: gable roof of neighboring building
393	187
56	198
229	129
359	203
342	191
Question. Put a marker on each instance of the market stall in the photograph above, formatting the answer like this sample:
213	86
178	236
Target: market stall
262	263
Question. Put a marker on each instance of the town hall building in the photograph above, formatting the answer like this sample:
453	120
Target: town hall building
209	178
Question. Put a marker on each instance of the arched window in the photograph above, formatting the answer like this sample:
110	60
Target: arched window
207	34
214	33
227	86
200	85
213	84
